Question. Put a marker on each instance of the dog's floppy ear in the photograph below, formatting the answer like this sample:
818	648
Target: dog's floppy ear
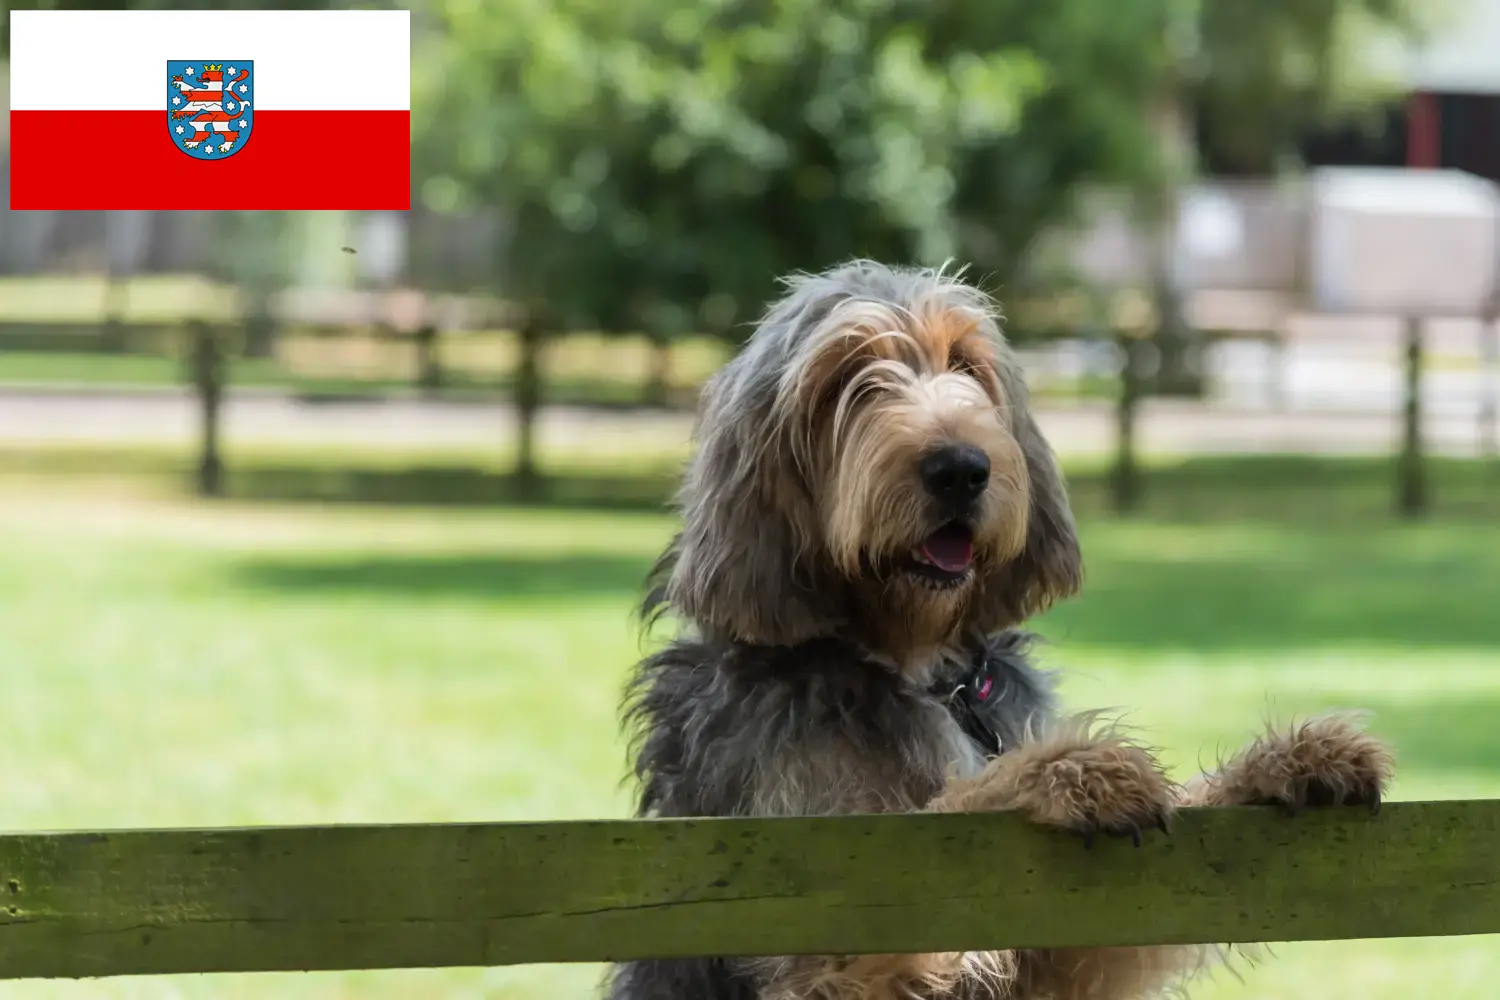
736	566
1050	565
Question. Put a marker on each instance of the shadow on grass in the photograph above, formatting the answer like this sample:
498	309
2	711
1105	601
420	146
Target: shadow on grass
311	478
1243	489
458	387
456	485
497	577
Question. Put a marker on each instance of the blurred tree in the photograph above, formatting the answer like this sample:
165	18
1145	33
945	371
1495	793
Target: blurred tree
1265	71
660	163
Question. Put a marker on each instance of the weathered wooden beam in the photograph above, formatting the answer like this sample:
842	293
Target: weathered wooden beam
343	897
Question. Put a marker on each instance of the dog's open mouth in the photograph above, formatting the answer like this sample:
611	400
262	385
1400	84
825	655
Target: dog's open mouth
946	556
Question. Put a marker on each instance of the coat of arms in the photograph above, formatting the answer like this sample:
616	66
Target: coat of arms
209	112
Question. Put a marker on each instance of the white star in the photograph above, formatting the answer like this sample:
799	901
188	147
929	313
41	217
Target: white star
244	88
229	106
230	71
176	100
189	71
180	130
242	123
208	148
225	148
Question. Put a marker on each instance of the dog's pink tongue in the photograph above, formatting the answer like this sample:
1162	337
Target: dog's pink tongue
950	549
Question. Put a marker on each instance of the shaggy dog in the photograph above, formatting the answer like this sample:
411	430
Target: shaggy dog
870	513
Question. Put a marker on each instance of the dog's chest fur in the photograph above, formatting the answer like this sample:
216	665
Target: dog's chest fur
726	729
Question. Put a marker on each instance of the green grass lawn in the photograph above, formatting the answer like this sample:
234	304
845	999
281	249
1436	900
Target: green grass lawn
177	663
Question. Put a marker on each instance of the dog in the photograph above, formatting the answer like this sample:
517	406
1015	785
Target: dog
869	515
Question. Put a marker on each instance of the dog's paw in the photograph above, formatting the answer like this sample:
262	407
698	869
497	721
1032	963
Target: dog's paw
1110	786
1090	786
1328	761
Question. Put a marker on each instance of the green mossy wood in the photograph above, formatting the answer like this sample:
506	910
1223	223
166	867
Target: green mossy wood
352	897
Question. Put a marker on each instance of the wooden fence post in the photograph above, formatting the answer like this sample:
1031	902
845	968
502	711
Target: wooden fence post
113	337
1489	370
429	364
1125	484
1411	485
657	390
208	379
528	399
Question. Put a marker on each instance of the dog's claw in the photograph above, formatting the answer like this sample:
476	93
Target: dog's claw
1320	796
1132	830
1369	797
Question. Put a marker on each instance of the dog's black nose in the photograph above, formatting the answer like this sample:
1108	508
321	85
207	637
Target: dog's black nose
955	474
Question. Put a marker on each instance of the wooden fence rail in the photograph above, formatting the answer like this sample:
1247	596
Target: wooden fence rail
89	904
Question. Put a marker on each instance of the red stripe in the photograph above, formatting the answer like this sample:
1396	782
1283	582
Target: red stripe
291	160
1423	131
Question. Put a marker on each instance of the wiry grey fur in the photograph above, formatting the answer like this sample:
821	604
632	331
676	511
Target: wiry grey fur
775	702
790	693
745	563
731	729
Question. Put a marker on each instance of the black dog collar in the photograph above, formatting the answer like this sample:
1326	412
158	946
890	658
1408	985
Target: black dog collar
968	703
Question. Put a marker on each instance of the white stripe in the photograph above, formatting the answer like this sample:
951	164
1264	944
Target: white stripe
305	60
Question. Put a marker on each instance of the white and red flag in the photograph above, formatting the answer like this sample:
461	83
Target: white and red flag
205	110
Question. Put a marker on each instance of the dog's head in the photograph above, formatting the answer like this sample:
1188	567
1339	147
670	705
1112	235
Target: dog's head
867	467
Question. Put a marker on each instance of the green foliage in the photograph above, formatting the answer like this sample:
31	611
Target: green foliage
1267	70
661	163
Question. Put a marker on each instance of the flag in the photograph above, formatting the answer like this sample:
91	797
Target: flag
205	110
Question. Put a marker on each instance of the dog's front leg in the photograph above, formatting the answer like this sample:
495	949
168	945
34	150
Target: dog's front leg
1323	762
1326	761
1091	784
